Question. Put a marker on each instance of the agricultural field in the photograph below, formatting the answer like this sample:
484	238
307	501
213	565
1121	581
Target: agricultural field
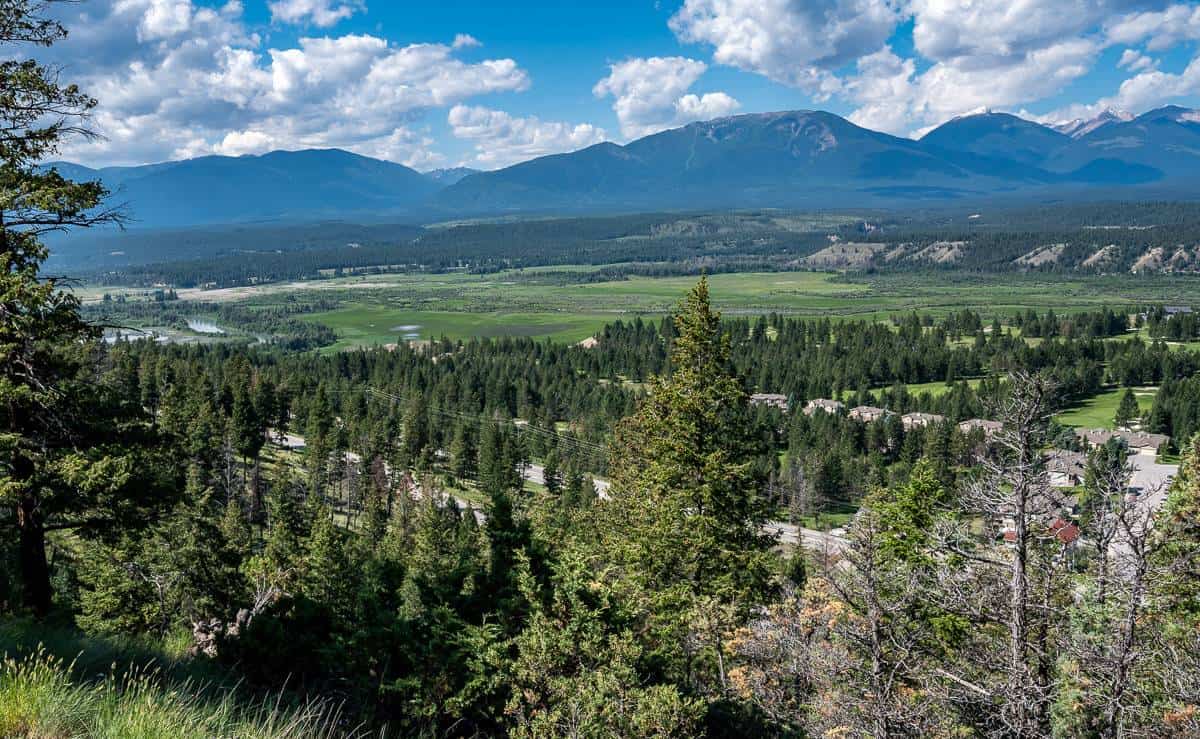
542	305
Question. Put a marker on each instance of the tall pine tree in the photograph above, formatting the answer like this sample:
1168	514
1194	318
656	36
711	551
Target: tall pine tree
72	453
684	525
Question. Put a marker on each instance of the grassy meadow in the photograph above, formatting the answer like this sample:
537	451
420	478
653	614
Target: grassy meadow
558	303
366	324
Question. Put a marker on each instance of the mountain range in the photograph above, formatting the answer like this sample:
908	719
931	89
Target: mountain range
783	159
311	184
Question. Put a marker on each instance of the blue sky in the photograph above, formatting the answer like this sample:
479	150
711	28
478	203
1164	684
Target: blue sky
487	84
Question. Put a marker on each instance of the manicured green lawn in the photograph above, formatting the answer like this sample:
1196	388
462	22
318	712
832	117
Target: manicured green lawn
1098	411
1144	334
937	388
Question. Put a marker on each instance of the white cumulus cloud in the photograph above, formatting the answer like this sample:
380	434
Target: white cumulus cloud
988	54
651	94
796	42
502	139
1135	61
1159	29
465	41
982	32
320	13
966	53
1153	88
893	97
177	79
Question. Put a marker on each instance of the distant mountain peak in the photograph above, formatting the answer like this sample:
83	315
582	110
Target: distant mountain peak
996	135
975	112
1175	113
447	176
1081	127
276	185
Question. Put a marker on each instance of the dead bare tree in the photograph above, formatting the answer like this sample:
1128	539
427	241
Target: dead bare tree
1106	517
884	640
1135	546
774	653
804	498
1014	495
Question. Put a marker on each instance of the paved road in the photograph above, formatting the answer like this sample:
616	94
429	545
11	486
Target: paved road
1151	479
818	541
537	474
1151	482
786	533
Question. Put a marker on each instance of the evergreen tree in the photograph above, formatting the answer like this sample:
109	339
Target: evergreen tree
179	571
246	425
907	512
464	454
573	677
1128	410
375	514
416	429
286	526
49	410
508	537
328	577
235	527
551	475
575	489
1178	528
685	520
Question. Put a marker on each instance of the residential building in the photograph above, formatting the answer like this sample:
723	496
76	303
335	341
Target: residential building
868	414
919	420
1139	442
823	404
1066	468
773	400
1067	532
989	428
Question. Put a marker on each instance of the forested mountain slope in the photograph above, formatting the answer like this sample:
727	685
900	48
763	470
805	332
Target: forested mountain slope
302	185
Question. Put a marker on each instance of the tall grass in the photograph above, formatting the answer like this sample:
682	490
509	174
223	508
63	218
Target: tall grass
42	697
67	685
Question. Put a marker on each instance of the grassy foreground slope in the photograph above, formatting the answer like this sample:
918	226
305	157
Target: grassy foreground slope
55	683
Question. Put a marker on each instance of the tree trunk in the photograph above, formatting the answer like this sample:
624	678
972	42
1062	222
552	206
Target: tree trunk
1018	673
1126	652
35	571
